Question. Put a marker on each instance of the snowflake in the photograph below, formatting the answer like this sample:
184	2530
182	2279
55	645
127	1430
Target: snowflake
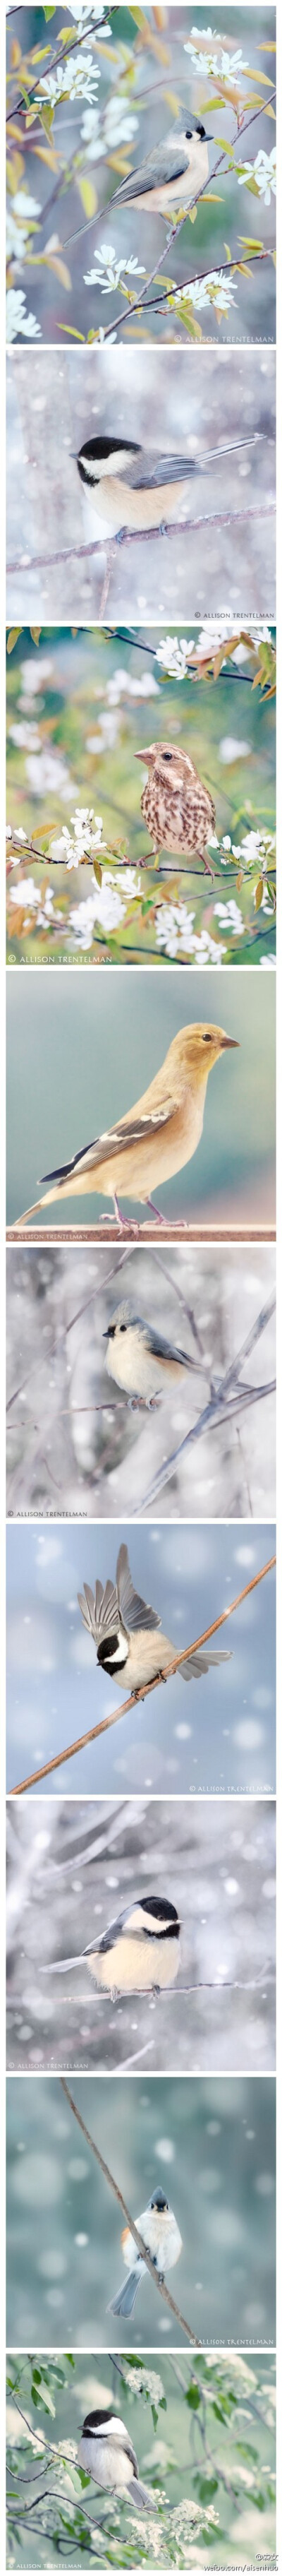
17	320
263	171
113	268
74	79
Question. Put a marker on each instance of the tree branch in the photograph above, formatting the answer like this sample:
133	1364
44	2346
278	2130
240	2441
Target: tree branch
134	2231
63	56
144	536
135	1696
214	1410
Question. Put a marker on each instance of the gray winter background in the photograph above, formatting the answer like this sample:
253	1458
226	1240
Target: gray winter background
67	1455
72	1867
210	2142
81	1049
202	397
215	1735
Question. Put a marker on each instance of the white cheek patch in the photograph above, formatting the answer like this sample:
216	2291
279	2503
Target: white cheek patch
97	469
121	1653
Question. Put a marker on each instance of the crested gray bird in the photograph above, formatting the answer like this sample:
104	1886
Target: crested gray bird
161	2235
155	1138
140	1359
177	808
106	2454
138	1953
133	489
128	1634
172	173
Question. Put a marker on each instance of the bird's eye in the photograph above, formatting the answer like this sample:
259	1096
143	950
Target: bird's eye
207	1037
122	1328
167	755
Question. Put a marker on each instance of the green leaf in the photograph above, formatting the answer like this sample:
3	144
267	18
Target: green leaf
12	638
193	2395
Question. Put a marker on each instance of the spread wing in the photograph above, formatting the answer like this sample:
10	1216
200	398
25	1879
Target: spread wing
135	1612
100	1611
166	163
103	1148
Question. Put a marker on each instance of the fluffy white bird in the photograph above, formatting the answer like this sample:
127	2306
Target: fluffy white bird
106	2453
139	1952
139	1359
161	2235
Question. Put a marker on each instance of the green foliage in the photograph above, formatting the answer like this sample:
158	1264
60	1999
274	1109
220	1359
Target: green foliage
209	2491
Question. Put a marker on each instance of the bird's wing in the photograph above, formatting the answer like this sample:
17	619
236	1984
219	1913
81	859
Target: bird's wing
198	1664
135	1612
107	1940
100	1612
165	1350
160	469
167	162
103	1148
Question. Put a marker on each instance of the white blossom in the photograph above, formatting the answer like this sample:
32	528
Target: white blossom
17	320
223	65
70	853
76	78
229	749
47	772
33	672
21	216
174	933
173	655
229	916
263	171
140	2378
124	684
203	291
111	269
100	136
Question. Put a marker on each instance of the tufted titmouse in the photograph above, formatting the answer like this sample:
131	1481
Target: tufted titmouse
128	1634
139	1359
106	2453
139	1950
155	1138
161	2235
171	174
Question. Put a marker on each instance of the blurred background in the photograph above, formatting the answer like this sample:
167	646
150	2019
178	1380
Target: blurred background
74	1448
217	1734
78	709
72	1868
144	76
204	397
209	2142
86	1051
188	2422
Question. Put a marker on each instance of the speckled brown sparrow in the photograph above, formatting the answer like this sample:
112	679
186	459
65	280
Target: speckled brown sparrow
177	807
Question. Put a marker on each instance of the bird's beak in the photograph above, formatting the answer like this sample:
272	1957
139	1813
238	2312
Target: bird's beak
144	755
230	1042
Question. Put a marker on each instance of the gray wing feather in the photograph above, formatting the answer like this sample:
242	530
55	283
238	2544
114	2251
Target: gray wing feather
135	1613
165	1350
198	1664
167	162
161	469
99	1614
102	1148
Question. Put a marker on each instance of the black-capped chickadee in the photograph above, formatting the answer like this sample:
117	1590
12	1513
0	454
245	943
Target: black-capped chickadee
134	489
161	2235
171	174
106	2453
128	1634
139	1359
138	1952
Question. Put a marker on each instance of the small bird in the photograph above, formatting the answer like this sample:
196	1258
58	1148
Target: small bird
161	2235
177	807
172	173
128	1634
140	1360
106	2453
155	1138
138	1952
134	489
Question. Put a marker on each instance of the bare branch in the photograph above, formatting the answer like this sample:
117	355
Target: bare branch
213	1413
134	2231
144	536
135	1696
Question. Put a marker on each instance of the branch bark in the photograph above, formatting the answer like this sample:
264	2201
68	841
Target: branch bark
143	536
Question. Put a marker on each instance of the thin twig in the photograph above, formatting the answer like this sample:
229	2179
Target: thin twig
144	536
208	1418
156	302
135	1696
134	2231
63	56
122	1256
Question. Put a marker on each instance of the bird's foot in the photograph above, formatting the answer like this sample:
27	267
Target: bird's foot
137	1404
126	1225
161	1220
156	1990
209	870
120	534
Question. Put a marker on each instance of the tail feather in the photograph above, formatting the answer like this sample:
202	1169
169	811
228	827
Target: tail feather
198	1664
140	2496
33	1211
123	2304
57	1967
